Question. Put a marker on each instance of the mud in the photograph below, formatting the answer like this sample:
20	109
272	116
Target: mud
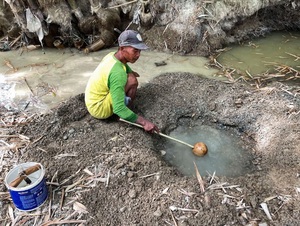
142	188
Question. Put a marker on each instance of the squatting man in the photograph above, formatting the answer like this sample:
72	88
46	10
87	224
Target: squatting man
112	87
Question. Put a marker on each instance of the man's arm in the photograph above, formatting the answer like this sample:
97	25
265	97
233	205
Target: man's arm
116	86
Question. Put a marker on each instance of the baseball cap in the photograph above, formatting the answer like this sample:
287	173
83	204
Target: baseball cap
132	38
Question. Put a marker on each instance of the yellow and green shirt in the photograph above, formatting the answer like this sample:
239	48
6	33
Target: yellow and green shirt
105	90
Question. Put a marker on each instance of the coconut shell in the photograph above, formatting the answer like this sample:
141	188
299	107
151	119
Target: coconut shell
200	149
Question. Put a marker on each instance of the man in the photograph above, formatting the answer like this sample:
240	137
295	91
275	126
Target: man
113	85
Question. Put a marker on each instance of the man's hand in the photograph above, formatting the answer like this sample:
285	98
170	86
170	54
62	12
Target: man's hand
147	125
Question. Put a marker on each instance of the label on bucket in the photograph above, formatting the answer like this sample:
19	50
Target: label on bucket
32	198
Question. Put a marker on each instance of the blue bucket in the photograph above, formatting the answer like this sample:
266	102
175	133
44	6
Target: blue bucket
32	192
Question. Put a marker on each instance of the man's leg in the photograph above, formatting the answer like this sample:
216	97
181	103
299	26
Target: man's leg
131	86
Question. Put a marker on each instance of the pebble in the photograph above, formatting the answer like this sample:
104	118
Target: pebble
130	174
157	213
263	224
132	194
122	209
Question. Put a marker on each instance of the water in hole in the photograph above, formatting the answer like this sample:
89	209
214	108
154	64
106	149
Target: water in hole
226	156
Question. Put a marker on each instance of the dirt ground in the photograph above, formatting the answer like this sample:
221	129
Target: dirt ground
111	173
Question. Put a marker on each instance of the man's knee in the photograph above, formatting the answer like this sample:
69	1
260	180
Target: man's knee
131	86
132	80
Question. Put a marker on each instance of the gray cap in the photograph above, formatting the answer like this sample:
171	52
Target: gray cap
132	38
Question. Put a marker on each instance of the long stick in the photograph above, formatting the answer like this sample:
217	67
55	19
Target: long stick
161	134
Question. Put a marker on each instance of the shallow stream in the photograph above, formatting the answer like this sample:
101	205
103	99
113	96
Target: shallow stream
264	54
31	79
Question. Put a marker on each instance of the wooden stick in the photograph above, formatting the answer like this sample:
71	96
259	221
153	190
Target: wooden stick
28	86
62	199
14	42
127	3
199	178
24	174
58	222
161	134
173	218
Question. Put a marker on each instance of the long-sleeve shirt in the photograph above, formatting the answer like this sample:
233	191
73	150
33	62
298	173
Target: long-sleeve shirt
105	90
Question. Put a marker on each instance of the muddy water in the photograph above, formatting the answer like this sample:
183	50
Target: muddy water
226	156
40	80
264	54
